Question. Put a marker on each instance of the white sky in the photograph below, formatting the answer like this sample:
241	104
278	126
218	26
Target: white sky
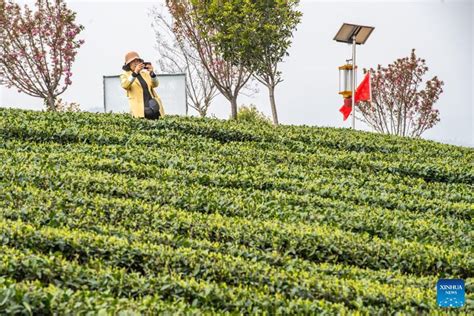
440	31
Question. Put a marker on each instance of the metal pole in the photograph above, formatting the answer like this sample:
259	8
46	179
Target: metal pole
186	92
103	90
354	71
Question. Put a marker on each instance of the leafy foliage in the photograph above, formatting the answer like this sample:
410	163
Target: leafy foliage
256	34
252	115
107	214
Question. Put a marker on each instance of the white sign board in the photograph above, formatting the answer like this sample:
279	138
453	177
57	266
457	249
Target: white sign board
171	89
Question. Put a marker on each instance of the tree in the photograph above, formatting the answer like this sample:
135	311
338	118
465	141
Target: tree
275	32
37	49
398	104
255	34
190	23
177	55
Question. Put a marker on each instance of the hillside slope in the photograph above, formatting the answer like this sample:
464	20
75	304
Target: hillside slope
102	212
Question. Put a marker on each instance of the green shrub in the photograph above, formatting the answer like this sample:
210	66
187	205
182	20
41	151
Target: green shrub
252	115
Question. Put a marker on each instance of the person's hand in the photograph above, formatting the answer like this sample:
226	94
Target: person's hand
150	67
139	68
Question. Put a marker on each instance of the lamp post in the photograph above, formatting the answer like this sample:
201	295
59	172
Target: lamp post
356	35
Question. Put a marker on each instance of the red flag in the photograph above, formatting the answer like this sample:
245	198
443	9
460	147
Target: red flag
362	93
346	109
363	90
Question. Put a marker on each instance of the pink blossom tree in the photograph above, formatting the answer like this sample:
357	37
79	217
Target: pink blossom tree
37	48
400	105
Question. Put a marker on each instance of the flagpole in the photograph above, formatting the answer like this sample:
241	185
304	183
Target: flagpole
353	79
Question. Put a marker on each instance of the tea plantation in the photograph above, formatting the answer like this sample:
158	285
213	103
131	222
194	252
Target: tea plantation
107	214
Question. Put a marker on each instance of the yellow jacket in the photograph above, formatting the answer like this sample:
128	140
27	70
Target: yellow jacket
135	92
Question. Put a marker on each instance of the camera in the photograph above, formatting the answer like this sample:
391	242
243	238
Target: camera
146	64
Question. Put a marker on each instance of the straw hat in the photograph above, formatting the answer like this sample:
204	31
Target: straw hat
131	56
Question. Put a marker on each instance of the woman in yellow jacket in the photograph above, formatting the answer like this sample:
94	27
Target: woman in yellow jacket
139	80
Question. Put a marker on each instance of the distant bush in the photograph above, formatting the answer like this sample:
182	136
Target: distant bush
252	115
63	106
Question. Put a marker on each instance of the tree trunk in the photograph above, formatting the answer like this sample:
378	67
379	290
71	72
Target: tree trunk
233	107
271	90
49	102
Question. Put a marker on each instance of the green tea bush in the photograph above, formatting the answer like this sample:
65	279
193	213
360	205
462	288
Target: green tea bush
105	214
